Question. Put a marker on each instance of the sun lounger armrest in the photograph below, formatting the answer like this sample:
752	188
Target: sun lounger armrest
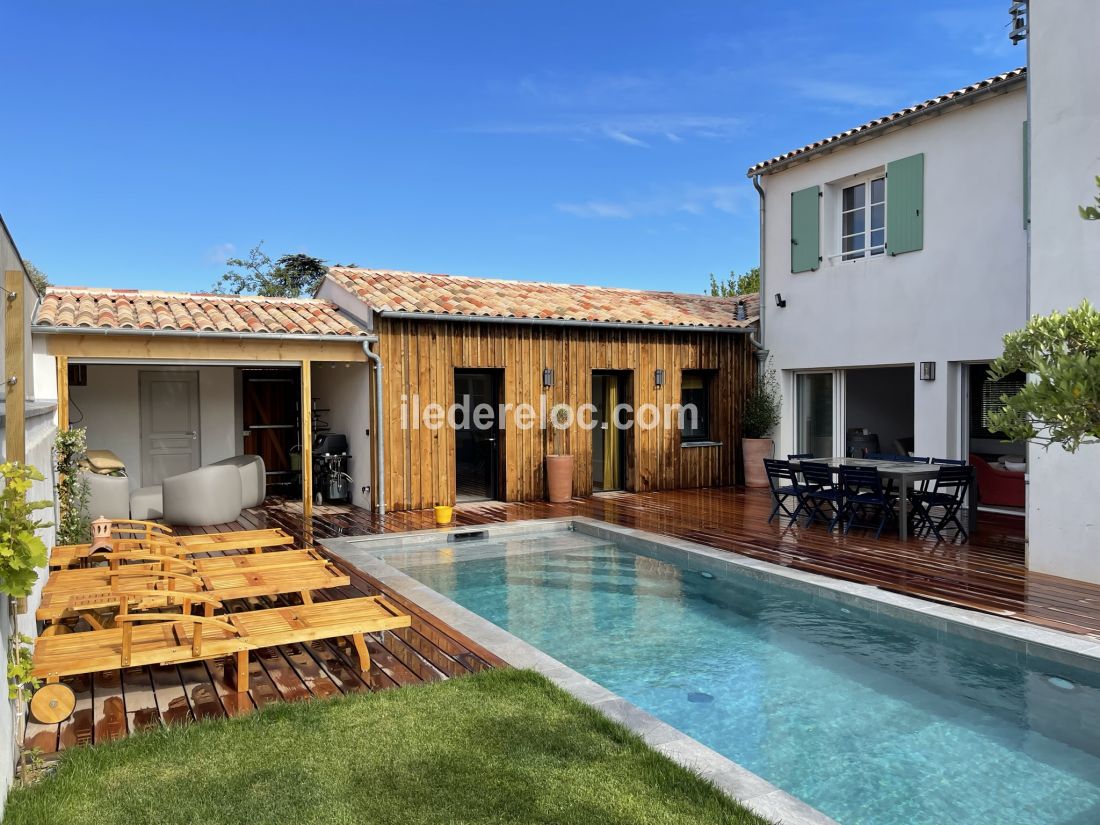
177	617
124	573
135	555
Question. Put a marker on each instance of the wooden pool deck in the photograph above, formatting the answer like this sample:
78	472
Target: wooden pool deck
985	574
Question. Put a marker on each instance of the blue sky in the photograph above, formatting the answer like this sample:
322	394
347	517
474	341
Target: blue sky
586	142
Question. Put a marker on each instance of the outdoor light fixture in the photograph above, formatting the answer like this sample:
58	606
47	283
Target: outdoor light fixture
780	301
548	377
927	370
659	377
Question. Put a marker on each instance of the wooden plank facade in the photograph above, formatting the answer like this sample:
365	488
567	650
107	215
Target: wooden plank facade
420	358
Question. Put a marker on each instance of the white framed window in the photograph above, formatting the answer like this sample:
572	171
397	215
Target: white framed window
863	219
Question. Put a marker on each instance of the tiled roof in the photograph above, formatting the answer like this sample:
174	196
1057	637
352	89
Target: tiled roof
416	292
982	86
131	309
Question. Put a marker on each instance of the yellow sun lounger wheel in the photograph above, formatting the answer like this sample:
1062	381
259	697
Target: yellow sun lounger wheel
53	703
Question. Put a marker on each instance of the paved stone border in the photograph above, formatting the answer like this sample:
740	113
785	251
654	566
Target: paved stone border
1037	645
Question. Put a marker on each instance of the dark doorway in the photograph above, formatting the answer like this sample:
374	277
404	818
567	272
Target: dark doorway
272	426
477	435
609	389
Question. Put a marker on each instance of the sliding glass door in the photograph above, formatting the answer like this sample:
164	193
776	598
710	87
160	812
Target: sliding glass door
815	413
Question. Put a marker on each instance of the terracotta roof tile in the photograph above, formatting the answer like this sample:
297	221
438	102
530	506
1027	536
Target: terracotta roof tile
134	309
1000	80
392	291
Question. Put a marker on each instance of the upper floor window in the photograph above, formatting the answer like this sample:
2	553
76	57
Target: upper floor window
863	219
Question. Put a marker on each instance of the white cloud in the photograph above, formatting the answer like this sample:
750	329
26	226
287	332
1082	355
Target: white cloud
686	200
218	253
598	209
629	129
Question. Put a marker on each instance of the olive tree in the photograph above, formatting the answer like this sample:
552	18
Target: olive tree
1060	404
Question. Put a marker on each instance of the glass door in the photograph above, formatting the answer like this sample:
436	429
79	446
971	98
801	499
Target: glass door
814	413
477	449
608	441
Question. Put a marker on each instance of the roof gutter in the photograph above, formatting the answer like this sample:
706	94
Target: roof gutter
908	119
558	322
188	333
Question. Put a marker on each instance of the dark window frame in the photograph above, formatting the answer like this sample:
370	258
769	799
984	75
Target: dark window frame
703	399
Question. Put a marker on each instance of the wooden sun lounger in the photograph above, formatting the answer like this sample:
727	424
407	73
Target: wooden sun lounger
95	578
83	593
163	639
68	555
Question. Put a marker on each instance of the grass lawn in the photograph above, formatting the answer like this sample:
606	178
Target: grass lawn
501	747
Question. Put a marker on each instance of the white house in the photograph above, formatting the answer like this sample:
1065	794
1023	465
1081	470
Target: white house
897	254
895	259
1063	62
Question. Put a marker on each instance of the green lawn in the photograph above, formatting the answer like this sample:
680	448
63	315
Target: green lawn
505	746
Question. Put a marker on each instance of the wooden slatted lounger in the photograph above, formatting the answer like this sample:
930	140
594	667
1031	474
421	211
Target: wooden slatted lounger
83	593
164	639
68	555
95	578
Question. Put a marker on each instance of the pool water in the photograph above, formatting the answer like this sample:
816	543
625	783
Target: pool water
866	717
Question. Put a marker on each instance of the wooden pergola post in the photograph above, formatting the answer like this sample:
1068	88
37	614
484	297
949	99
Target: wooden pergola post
62	392
15	395
307	446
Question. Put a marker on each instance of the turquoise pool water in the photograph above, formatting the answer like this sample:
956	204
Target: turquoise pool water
865	717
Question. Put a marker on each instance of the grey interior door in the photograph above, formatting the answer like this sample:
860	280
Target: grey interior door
169	424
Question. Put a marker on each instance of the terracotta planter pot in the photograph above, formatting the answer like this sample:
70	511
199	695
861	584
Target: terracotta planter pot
754	451
559	478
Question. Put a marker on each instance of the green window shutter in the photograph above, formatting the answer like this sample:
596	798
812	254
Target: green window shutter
1027	176
905	205
806	229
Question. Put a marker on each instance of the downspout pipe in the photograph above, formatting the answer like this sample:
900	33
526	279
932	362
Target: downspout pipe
761	352
379	427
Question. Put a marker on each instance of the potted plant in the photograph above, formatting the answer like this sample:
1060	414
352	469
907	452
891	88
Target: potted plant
758	419
559	466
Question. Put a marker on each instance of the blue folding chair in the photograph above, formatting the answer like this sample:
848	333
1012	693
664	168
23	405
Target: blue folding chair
783	482
819	492
948	496
864	494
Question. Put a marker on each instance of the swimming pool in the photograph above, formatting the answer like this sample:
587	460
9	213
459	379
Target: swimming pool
867	714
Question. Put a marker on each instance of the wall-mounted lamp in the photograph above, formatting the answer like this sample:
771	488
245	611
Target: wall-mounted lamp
548	377
927	370
780	301
659	378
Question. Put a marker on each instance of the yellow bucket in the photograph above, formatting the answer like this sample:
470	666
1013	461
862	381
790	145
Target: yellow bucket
443	514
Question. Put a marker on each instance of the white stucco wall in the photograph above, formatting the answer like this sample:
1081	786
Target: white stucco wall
949	302
40	429
109	407
1063	517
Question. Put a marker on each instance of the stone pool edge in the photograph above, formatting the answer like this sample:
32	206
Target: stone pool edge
747	788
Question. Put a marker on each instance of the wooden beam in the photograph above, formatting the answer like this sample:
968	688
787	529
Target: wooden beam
198	348
15	396
307	445
62	393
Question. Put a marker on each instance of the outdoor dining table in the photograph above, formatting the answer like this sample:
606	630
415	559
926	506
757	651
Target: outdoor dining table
904	474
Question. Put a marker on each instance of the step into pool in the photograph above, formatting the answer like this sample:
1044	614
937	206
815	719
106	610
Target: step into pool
863	714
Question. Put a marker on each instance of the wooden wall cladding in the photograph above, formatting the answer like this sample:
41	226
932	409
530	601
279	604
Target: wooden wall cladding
420	358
